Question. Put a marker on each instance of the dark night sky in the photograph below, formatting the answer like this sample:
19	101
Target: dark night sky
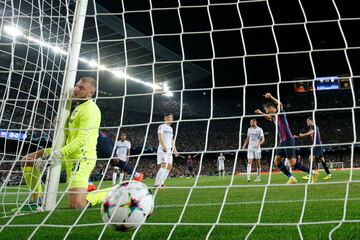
251	36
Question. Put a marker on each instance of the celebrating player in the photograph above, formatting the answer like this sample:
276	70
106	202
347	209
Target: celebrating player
79	153
221	166
189	165
317	153
254	140
165	150
286	139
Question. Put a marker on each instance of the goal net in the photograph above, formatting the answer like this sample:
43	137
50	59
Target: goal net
210	63
332	165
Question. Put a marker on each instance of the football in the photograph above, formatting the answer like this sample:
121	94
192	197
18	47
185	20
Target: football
127	205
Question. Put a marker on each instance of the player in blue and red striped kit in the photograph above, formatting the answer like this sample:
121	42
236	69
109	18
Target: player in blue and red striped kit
189	165
317	152
286	139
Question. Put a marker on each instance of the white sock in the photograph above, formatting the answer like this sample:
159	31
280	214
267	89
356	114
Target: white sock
223	173
248	171
121	177
164	177
159	176
258	170
114	178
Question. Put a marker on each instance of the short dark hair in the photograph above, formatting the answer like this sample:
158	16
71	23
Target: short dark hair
168	114
253	119
89	80
269	104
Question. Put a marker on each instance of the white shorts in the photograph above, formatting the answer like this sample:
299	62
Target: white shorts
163	157
221	166
254	154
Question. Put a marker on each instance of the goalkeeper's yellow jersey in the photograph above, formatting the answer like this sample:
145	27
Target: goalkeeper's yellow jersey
82	131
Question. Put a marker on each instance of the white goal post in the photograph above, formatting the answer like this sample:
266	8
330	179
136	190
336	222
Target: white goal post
65	103
145	68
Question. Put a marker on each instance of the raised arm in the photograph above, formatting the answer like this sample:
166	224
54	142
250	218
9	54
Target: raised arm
274	100
266	116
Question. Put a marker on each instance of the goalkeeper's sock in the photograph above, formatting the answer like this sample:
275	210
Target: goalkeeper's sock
301	167
32	177
326	168
97	197
284	169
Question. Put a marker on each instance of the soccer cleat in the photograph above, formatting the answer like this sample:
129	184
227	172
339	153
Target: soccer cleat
29	208
91	187
306	177
314	177
328	177
257	180
139	178
159	186
292	180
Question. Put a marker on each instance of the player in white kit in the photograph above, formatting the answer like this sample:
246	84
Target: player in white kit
165	150
221	166
253	141
122	150
123	147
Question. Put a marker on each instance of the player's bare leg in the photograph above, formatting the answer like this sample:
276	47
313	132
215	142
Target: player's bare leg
77	198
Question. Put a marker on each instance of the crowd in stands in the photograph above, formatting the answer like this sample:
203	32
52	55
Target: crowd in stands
195	136
148	165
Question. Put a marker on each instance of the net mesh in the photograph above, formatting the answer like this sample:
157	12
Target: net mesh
209	63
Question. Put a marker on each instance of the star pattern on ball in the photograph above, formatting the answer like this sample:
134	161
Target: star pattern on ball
134	204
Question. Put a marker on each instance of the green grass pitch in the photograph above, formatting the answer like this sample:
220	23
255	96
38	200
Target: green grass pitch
283	204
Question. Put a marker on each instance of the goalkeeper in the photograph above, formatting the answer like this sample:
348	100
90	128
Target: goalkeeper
79	153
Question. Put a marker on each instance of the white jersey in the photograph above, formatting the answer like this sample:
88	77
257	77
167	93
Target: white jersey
122	149
254	135
221	160
167	132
